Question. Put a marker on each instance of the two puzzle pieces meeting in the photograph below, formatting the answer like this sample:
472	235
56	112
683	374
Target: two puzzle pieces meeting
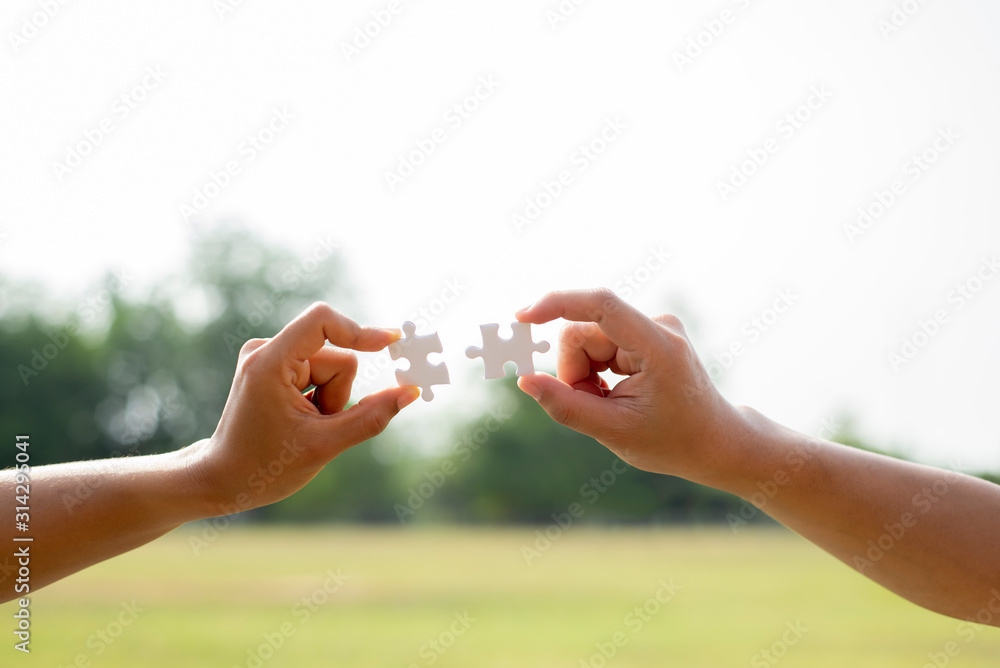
495	353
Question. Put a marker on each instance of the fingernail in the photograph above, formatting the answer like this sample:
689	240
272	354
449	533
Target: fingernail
395	334
529	388
408	397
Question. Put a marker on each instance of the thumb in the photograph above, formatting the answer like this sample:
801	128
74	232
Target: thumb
580	411
370	416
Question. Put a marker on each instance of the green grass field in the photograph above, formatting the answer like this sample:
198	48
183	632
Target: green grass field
738	595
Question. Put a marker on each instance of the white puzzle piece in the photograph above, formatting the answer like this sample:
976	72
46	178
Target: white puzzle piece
518	349
421	373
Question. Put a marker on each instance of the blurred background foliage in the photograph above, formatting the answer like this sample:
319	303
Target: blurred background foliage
103	375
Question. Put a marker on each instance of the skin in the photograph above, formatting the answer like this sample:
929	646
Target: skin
85	512
927	534
934	532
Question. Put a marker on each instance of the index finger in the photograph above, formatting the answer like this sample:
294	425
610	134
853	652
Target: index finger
306	334
625	326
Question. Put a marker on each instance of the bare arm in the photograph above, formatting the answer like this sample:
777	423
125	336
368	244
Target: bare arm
271	441
927	534
86	512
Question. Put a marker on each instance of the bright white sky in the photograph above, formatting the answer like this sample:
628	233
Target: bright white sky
681	131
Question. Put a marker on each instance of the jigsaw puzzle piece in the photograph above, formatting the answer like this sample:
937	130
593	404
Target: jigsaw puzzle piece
497	351
415	349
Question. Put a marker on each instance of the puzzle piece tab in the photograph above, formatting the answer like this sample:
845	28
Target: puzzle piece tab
518	349
421	373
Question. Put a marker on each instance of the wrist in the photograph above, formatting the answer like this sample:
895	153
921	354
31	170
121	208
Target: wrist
197	485
739	452
763	451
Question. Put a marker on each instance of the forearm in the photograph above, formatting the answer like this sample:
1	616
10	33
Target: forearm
928	534
85	512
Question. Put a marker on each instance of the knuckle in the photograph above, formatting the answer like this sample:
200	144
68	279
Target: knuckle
604	302
676	343
354	331
318	311
319	306
605	296
571	336
251	345
350	362
251	355
670	320
604	293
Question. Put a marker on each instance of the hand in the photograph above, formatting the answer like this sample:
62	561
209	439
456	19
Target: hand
272	439
665	417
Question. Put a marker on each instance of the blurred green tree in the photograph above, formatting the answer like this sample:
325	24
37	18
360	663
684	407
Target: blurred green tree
106	375
529	468
116	376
